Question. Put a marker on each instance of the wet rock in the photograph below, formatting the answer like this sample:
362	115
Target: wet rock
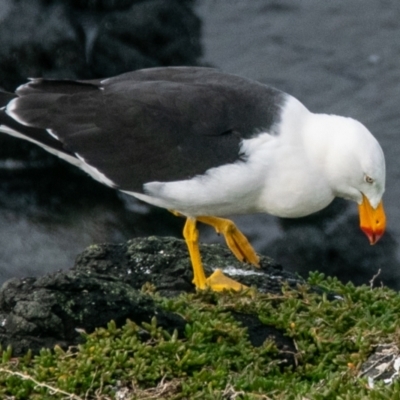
93	39
164	262
151	33
43	312
104	285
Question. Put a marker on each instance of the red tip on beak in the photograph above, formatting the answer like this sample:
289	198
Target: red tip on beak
372	221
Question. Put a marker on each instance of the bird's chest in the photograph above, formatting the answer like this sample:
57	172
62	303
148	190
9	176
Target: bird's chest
295	191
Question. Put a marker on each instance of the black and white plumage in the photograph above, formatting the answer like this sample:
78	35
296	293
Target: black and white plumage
203	143
160	116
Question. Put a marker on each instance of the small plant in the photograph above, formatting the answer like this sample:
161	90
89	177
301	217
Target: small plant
334	328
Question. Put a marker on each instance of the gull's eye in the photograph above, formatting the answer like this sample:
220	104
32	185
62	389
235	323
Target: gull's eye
368	179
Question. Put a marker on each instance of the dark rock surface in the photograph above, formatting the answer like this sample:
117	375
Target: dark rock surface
105	284
93	39
165	263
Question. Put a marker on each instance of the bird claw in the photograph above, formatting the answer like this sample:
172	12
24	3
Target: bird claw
218	282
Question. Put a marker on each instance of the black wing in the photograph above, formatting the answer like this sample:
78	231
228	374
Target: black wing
160	124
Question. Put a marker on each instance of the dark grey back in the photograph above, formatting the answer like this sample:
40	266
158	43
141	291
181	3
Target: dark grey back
160	124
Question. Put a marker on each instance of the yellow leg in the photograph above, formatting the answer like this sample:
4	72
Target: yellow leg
217	281
235	239
191	235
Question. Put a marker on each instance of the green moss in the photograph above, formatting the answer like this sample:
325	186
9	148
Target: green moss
334	329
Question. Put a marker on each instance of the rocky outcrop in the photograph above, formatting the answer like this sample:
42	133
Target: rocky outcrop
105	285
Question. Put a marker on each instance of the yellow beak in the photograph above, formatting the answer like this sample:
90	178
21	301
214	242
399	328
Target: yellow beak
372	221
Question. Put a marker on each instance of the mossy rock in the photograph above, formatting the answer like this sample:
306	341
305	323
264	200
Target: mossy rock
305	340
